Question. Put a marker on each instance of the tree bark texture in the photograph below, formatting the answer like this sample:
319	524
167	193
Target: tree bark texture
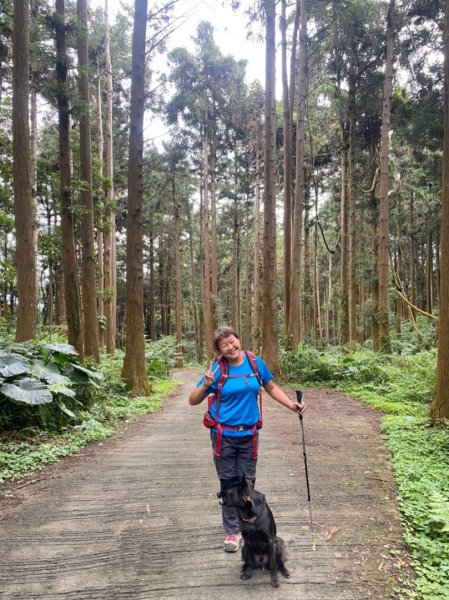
256	256
110	285
178	279
69	260
384	211
440	404
100	209
207	303
295	331
213	226
344	243
134	367
235	268
88	267
270	344
352	292
23	202
287	168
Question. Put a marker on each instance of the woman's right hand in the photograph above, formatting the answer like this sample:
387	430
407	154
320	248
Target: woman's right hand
209	376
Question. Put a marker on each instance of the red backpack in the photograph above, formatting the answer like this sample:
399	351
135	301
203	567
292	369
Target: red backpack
211	423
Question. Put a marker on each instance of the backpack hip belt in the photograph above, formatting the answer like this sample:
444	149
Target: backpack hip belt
219	438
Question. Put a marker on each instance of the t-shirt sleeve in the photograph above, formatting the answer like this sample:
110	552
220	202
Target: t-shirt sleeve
264	371
213	387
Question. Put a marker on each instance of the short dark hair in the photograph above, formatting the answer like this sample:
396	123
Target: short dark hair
223	332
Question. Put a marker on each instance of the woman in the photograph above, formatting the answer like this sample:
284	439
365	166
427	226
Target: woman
234	436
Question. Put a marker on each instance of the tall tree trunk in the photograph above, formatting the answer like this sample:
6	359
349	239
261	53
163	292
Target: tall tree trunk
412	252
437	270
69	261
88	274
23	202
317	304
100	236
384	186
295	332
151	322
287	169
193	279
134	367
213	228
207	304
270	344
375	281
351	202
344	243
110	303
178	282
293	65
235	277
247	290
33	151
307	305
256	256
440	404
429	271
329	311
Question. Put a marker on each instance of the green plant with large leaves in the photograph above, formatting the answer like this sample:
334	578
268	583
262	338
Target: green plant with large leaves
40	378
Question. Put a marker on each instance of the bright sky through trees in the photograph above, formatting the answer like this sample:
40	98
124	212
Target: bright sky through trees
230	29
230	35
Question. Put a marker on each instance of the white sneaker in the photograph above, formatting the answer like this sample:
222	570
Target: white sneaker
232	542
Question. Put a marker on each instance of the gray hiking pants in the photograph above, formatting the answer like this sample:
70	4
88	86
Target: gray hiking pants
235	460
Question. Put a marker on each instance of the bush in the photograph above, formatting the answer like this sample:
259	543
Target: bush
309	365
161	357
42	383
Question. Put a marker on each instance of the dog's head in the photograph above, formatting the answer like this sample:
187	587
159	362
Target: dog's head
241	497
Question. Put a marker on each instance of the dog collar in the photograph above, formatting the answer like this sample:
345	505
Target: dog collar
250	521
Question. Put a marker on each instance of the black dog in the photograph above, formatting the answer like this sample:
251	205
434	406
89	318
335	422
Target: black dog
262	548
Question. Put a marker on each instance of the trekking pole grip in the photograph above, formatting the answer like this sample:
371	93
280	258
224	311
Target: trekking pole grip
299	400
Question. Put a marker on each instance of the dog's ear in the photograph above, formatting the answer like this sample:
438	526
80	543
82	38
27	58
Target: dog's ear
245	490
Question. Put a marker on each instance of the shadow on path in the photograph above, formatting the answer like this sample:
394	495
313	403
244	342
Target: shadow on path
138	518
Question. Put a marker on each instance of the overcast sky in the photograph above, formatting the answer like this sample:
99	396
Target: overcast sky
230	29
230	33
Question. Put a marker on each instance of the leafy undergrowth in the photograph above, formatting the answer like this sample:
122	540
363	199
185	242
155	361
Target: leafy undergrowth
401	386
35	435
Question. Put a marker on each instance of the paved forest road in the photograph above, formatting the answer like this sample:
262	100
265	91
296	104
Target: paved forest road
137	517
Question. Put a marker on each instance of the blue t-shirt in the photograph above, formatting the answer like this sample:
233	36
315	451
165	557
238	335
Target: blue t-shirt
239	395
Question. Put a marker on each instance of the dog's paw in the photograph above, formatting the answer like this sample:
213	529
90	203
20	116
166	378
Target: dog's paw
285	573
275	583
246	574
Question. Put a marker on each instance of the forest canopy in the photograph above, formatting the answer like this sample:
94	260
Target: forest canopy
312	218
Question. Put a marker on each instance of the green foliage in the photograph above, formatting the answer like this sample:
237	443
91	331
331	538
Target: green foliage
309	365
34	379
411	340
402	387
160	356
420	458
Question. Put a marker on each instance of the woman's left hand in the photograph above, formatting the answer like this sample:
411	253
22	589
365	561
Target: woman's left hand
299	408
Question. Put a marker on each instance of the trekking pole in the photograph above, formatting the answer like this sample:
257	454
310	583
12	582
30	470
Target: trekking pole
299	400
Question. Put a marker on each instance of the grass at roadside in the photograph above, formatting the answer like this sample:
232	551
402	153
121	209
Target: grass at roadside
401	387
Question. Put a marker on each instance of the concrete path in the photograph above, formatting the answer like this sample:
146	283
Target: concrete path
137	517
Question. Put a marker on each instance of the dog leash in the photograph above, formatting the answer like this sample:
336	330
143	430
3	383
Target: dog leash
312	533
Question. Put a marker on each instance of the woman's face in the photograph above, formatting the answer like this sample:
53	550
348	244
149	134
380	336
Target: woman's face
230	347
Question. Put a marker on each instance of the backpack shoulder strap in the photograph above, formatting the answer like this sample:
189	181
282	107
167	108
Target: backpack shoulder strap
224	371
253	362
